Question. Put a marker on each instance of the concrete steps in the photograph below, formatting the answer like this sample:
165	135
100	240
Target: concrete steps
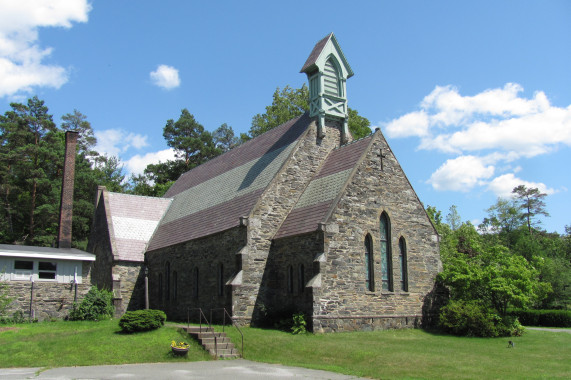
216	343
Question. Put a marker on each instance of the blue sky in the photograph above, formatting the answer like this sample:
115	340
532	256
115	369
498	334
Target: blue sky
473	97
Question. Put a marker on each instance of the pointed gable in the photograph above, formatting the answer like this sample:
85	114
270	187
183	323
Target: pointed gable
133	219
321	52
324	189
212	197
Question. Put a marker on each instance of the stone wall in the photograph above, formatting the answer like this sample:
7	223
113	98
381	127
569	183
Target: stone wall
49	299
343	301
206	255
100	245
128	286
270	212
286	285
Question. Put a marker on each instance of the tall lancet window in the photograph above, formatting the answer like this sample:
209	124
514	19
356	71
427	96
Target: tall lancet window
331	78
403	265
370	278
386	254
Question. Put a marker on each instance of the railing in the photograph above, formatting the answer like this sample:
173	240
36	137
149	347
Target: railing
200	316
224	314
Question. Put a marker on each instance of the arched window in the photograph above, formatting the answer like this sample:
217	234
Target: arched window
403	265
386	254
195	282
167	280
220	279
301	278
160	287
331	78
290	279
369	271
174	286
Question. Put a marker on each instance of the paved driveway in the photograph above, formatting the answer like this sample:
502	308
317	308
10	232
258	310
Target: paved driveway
238	369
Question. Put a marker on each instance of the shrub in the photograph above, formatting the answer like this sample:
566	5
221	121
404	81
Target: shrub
96	305
467	318
299	323
142	320
547	318
471	318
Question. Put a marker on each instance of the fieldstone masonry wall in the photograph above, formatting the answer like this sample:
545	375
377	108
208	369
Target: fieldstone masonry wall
206	255
49	299
343	302
268	215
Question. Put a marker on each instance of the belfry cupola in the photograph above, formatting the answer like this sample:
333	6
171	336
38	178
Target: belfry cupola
327	70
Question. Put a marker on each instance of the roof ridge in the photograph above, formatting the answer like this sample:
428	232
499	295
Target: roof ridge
139	196
355	141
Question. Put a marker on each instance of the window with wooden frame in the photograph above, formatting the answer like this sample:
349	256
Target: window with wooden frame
386	254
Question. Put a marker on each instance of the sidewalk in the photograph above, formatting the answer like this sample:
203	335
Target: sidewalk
238	369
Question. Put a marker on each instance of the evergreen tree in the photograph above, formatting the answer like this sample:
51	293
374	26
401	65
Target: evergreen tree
531	202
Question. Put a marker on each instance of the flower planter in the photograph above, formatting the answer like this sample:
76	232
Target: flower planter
179	351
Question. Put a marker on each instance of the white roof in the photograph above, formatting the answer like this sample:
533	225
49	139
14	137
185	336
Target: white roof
27	251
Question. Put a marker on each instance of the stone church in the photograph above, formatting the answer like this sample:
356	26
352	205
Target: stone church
299	219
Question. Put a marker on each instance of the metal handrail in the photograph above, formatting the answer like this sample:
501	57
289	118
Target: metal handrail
200	316
224	314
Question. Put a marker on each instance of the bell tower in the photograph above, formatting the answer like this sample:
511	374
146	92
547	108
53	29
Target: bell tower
327	70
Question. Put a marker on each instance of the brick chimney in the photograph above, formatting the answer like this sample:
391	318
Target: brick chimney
66	205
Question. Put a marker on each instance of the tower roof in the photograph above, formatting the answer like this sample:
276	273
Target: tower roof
322	50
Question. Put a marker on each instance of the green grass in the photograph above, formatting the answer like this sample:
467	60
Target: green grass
415	354
61	344
393	354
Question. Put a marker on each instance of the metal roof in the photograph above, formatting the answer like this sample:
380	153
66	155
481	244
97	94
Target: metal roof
7	250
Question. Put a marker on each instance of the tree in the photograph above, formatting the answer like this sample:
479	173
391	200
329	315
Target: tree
86	141
290	103
30	147
190	141
485	280
31	168
224	138
286	105
358	125
453	218
109	172
530	200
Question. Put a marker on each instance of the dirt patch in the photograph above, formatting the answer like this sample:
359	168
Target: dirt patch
8	328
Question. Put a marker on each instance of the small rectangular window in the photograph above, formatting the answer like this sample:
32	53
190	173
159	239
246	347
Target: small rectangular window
23	269
47	270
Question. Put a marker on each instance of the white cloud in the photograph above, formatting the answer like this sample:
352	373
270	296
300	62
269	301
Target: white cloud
503	185
411	124
495	127
138	163
461	174
21	57
112	142
166	77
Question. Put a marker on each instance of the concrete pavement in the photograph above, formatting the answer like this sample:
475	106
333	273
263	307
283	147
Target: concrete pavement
238	369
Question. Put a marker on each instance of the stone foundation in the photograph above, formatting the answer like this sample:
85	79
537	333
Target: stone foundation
328	324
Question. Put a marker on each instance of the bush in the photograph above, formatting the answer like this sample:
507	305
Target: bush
546	318
142	320
467	318
96	305
299	323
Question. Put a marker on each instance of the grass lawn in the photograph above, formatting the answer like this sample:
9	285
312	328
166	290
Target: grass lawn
64	344
415	354
393	354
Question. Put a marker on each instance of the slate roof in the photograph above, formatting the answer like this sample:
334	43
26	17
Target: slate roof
315	53
213	196
319	197
134	220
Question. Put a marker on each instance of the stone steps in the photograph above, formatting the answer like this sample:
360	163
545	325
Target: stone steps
216	343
